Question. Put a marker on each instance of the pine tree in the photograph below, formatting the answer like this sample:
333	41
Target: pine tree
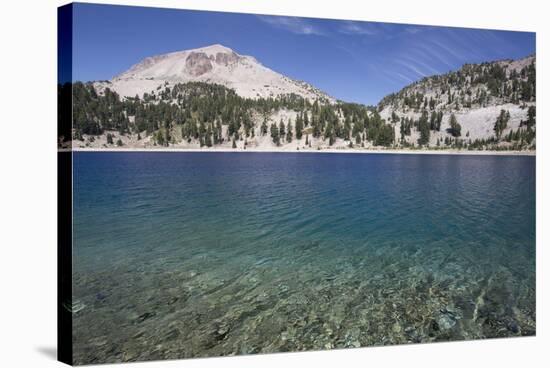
501	123
435	120
264	126
455	126
316	127
439	120
424	128
531	116
159	137
208	137
275	134
299	127
281	128
289	132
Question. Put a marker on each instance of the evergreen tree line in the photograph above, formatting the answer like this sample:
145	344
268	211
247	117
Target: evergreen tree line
197	111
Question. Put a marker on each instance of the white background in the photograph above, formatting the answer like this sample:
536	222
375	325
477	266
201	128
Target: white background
28	180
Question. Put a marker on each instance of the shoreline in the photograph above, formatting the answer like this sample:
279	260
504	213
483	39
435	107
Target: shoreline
353	151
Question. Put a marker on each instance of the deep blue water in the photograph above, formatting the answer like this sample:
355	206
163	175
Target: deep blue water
327	250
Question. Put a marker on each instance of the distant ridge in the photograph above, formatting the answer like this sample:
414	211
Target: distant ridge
475	94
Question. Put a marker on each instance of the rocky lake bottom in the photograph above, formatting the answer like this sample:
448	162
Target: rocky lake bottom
164	272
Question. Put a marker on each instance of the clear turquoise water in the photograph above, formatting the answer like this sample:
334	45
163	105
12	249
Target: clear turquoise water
182	255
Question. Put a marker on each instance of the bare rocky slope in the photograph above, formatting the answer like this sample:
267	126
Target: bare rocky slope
212	64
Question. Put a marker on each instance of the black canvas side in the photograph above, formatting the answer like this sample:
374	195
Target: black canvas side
64	185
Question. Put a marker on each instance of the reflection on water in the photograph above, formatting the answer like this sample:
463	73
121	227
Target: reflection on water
204	254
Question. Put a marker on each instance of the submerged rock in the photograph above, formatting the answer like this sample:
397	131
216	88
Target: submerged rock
221	330
396	328
445	321
262	262
512	326
145	316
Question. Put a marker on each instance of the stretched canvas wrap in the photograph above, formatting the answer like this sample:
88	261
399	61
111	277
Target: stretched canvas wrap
241	184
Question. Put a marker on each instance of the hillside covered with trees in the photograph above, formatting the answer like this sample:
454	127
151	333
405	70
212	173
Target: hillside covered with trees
479	107
197	114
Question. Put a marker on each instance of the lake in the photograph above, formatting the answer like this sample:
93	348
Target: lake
191	254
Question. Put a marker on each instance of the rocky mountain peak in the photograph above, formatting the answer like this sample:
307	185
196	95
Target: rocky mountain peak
210	64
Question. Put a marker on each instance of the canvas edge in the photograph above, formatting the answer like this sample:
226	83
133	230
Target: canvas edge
64	184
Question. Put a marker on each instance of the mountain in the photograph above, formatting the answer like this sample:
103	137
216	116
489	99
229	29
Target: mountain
212	64
214	98
476	94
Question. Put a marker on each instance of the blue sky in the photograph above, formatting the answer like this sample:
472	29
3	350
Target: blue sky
353	61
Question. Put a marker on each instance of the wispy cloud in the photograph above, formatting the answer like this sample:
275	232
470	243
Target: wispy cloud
425	65
467	40
413	30
395	78
292	24
404	77
449	50
357	28
410	66
428	51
